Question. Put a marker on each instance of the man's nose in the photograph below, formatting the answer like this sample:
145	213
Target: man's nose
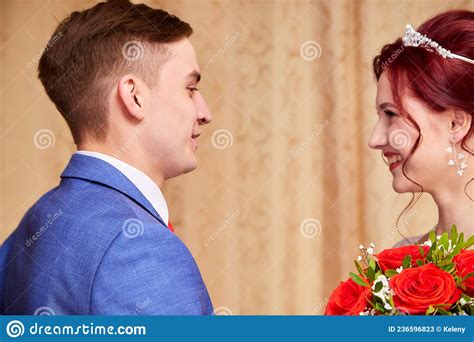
204	113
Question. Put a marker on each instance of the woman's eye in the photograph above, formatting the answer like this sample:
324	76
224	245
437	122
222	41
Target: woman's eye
389	113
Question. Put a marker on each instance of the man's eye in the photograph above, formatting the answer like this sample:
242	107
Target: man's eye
192	90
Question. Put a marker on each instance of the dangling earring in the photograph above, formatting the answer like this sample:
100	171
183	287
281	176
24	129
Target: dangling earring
457	159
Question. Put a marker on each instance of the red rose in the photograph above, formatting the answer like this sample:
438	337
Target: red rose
348	299
391	259
415	289
464	265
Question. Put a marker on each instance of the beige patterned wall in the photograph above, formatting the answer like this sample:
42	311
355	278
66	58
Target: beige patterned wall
287	188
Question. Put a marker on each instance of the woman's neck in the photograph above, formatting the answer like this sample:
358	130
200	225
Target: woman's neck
457	208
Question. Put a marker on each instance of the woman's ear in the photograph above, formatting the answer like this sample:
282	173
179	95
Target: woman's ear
129	91
460	124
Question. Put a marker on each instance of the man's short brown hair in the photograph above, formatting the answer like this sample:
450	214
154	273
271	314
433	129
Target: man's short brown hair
89	52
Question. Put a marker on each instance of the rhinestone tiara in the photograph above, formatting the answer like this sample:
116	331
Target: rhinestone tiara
416	39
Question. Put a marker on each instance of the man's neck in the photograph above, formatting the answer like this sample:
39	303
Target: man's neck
135	160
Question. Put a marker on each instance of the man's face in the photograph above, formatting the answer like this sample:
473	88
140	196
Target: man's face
175	111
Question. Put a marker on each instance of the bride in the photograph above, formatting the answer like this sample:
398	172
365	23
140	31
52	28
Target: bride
425	107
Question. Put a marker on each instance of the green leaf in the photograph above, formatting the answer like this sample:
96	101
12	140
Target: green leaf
469	242
444	241
372	264
469	275
430	310
371	274
454	234
419	262
378	286
406	262
432	253
358	280
432	237
456	250
444	312
359	268
449	267
390	273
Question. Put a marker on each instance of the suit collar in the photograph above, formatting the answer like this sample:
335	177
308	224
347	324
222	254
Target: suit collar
99	171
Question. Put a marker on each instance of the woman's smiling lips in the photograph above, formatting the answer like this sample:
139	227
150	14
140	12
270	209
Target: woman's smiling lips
394	159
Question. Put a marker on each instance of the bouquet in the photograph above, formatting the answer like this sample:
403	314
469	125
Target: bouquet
433	278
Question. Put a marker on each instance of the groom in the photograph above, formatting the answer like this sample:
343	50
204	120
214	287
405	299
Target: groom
124	77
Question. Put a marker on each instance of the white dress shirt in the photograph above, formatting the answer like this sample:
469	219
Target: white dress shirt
145	184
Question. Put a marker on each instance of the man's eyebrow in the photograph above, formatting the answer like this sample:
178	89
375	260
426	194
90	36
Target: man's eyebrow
194	74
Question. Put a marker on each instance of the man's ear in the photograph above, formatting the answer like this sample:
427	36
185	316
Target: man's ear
131	95
460	124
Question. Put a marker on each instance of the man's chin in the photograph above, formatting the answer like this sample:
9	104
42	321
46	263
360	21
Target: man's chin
189	170
191	166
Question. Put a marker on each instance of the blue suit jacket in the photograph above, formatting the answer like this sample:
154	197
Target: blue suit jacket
95	246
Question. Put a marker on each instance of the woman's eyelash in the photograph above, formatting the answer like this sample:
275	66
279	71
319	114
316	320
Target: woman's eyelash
389	113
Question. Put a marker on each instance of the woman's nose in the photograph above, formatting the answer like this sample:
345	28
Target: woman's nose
378	139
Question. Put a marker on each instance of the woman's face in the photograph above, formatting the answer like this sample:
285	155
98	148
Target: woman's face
395	136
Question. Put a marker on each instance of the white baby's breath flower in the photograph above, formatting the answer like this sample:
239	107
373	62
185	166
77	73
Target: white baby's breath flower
385	291
440	247
361	247
383	279
368	312
400	269
462	301
461	313
427	243
370	250
359	258
372	245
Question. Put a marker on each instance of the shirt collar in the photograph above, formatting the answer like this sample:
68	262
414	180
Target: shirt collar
145	184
